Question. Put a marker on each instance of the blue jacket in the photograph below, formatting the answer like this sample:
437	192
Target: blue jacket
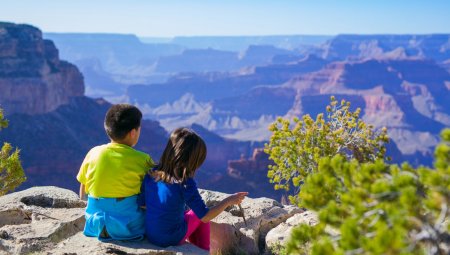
166	204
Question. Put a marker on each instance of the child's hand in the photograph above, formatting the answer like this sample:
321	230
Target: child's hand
236	198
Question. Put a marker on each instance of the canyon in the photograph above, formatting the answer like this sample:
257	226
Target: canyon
227	89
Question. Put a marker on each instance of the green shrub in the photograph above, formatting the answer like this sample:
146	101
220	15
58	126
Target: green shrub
11	171
377	208
297	147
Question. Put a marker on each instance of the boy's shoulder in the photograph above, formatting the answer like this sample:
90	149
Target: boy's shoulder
140	153
97	149
145	157
126	151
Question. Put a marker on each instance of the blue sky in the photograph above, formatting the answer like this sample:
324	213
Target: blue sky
166	18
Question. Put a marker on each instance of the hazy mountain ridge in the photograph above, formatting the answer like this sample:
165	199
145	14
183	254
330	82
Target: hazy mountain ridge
433	46
240	43
211	86
123	60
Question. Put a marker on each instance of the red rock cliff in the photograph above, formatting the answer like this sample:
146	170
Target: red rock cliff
33	79
243	167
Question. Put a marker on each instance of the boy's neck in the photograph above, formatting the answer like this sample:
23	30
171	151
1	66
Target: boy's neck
128	143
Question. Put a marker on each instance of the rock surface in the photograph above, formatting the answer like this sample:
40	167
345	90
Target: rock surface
50	220
230	234
280	234
35	219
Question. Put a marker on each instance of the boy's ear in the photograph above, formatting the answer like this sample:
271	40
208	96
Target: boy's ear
133	133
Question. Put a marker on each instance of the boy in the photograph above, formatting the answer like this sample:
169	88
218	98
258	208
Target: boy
111	176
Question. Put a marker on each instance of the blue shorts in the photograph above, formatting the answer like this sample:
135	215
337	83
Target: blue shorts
122	219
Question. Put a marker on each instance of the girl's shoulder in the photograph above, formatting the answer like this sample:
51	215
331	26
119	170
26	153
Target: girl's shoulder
150	175
157	176
189	183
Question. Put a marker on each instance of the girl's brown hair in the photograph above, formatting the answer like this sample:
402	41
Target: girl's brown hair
184	154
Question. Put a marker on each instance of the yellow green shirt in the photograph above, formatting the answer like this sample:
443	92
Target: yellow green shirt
114	170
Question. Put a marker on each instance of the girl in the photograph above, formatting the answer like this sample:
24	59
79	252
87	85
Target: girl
170	186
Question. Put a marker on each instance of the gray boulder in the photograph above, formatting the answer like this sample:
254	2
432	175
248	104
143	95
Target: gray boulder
231	235
280	234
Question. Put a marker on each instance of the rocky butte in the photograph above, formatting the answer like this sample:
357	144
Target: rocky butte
32	77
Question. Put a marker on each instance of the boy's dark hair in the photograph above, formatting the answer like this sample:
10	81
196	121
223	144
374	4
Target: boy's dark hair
121	119
184	154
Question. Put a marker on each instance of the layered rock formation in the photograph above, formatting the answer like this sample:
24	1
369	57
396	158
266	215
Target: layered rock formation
117	60
32	78
409	97
207	87
250	174
50	220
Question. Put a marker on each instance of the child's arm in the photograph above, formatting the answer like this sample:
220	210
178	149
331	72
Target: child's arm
82	192
217	209
81	176
141	196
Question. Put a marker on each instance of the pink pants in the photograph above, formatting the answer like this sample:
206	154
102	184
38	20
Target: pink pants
197	231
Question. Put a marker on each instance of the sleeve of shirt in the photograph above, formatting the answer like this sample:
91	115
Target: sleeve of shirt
81	176
193	198
147	162
141	196
150	162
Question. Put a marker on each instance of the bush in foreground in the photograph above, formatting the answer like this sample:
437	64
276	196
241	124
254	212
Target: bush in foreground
11	171
375	208
297	147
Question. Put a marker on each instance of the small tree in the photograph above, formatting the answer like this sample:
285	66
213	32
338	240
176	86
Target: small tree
375	208
297	148
11	171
